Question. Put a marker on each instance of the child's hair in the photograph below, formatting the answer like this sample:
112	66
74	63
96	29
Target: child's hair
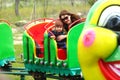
58	23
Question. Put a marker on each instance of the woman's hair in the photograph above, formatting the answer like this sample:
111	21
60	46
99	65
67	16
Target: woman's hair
64	12
73	16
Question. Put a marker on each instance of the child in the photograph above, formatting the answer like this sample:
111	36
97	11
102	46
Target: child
58	31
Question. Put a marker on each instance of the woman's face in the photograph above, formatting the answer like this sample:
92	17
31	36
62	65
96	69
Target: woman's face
66	19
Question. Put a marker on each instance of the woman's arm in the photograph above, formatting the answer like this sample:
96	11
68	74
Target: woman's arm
61	37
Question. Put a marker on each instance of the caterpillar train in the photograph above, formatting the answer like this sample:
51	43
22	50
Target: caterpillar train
92	46
41	55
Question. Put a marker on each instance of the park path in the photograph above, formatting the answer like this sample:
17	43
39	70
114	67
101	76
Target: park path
17	35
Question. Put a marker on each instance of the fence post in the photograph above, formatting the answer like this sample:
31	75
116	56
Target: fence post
22	77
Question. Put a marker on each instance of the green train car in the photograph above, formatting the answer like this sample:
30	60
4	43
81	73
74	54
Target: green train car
41	55
6	45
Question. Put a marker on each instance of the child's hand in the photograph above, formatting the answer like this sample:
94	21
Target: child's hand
53	37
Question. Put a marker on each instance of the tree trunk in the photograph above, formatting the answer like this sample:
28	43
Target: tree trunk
17	7
72	2
0	4
34	11
45	7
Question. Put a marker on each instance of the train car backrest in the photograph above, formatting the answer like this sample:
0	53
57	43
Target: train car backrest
37	33
6	42
72	40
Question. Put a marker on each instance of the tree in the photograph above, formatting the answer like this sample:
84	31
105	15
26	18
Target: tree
91	2
45	7
72	2
0	4
17	7
34	10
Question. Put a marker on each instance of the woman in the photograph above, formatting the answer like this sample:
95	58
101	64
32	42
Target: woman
68	18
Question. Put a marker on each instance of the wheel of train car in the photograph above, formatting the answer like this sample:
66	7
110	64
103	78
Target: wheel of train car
78	77
6	67
38	75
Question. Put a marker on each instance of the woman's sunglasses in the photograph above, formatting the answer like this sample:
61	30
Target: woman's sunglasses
65	17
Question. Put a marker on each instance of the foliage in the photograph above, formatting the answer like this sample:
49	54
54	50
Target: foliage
27	11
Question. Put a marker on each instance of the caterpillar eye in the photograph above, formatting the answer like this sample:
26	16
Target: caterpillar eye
110	18
113	23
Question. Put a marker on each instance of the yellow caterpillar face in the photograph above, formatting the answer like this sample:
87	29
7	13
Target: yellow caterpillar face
98	48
